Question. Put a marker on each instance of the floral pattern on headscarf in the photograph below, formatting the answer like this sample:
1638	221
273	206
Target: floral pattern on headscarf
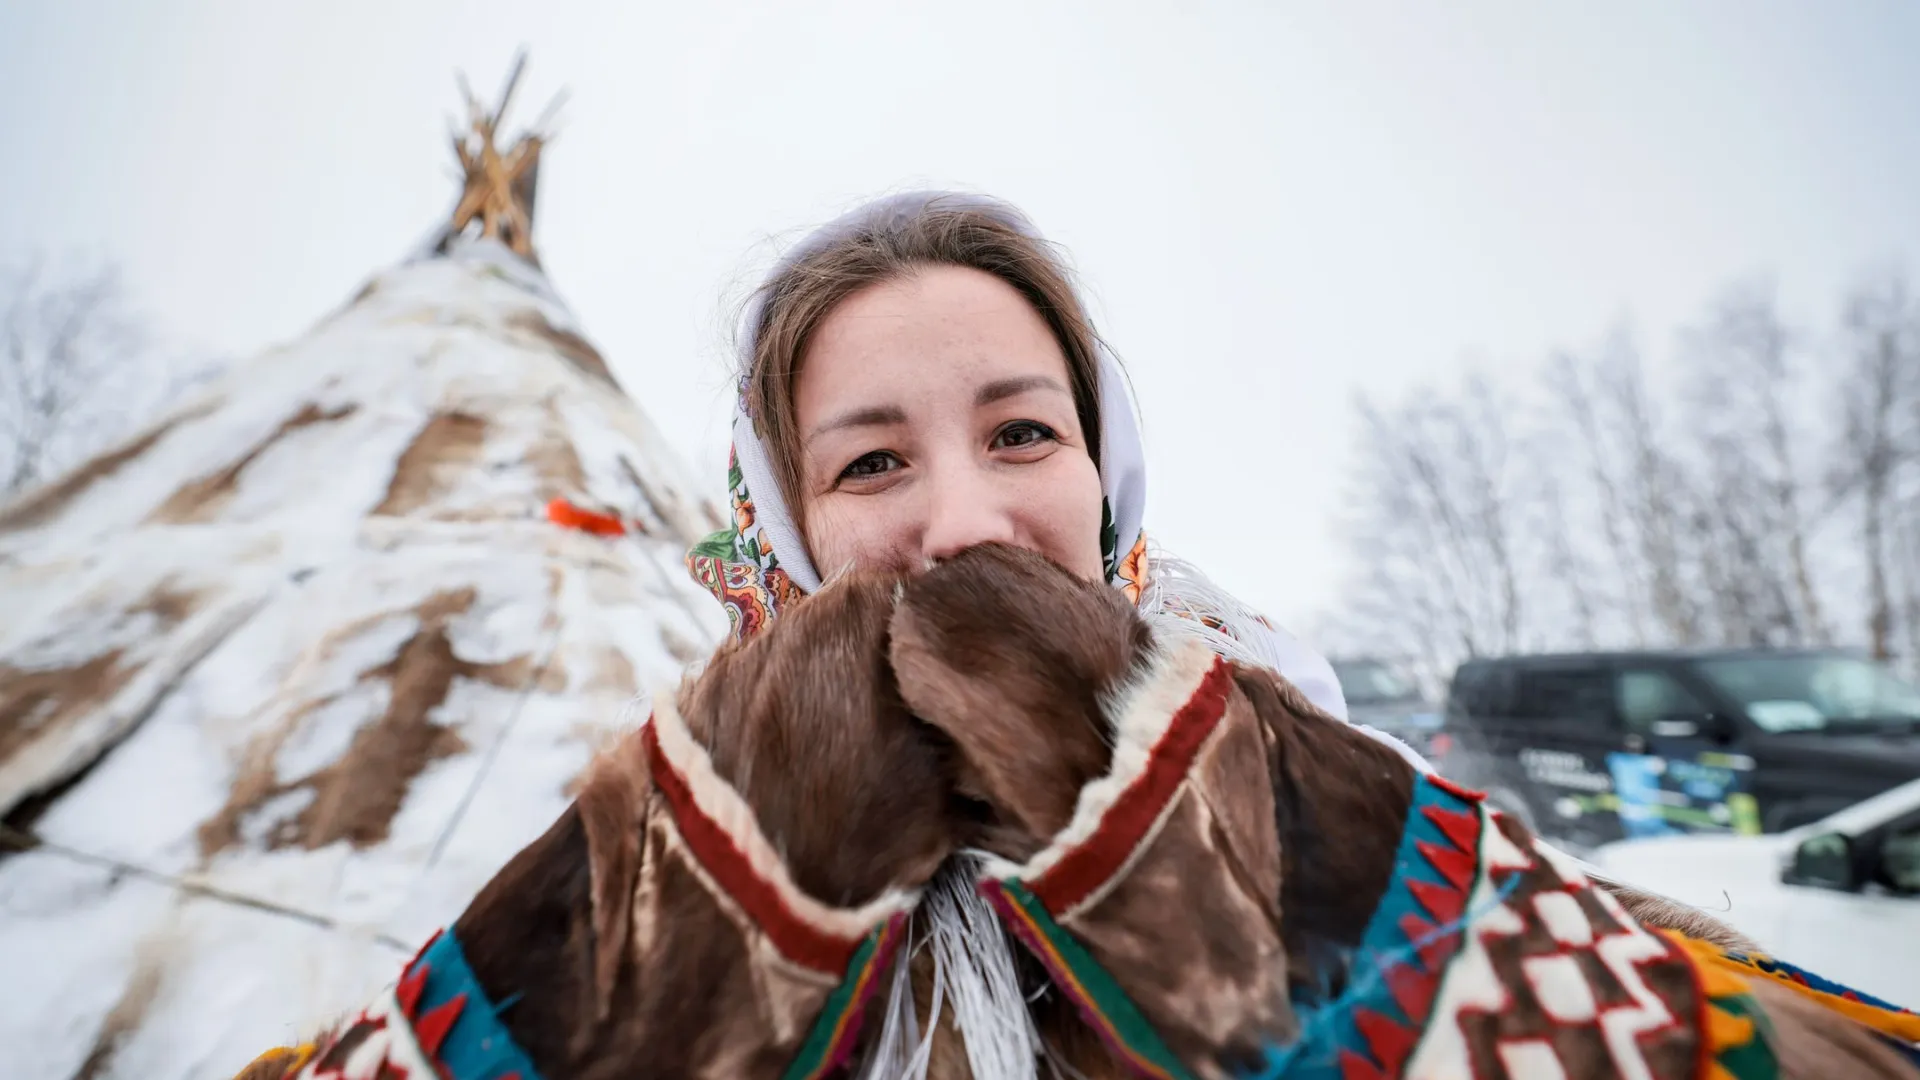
737	565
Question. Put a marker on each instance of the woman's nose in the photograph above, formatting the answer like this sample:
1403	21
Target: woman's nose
965	510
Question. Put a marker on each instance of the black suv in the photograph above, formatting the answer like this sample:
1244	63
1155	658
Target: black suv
1595	747
1380	696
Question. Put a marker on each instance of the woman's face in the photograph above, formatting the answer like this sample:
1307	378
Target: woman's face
935	414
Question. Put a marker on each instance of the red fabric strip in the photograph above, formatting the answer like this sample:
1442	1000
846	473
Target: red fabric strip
797	939
1094	860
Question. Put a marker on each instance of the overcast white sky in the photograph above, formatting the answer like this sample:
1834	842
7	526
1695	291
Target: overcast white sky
1275	204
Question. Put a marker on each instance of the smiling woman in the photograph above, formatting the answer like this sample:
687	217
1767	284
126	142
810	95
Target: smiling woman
921	375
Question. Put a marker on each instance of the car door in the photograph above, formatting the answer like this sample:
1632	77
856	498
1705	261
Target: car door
1681	767
1480	735
1569	728
1867	939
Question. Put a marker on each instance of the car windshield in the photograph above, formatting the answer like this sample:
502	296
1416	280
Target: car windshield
1366	682
1815	693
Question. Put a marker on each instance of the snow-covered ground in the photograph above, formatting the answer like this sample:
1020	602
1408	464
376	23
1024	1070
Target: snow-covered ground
314	664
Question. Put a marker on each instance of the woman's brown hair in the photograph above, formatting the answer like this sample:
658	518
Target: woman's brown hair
884	247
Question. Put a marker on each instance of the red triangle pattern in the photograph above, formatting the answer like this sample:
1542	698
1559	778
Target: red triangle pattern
1434	947
1458	867
1390	1040
1412	990
1355	1067
431	1030
409	989
1415	984
1443	905
1460	827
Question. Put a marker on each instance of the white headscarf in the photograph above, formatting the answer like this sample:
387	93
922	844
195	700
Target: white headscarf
1176	597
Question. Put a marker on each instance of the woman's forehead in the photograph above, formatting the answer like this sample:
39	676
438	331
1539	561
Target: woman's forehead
951	334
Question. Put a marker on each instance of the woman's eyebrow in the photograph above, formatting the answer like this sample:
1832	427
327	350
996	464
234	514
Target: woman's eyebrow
866	416
1019	384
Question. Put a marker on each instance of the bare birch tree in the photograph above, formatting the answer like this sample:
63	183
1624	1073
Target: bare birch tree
53	338
77	369
1622	515
1436	530
1879	423
1658	491
1640	491
1909	565
1742	388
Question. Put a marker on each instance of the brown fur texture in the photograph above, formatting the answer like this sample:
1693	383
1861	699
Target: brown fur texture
871	738
1010	656
604	933
1341	801
1813	1043
1016	661
806	721
1652	910
995	648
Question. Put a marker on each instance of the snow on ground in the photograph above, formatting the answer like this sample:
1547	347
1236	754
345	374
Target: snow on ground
314	665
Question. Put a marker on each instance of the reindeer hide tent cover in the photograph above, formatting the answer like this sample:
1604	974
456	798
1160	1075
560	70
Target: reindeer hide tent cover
288	674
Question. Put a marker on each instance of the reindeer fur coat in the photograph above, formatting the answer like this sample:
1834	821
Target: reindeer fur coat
1206	877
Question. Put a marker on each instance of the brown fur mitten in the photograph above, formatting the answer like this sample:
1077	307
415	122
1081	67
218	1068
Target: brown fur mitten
806	722
1129	782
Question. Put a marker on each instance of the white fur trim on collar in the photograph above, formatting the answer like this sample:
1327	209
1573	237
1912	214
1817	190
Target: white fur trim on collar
1141	710
724	806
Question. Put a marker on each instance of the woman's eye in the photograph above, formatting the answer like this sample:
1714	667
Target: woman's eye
1023	433
869	465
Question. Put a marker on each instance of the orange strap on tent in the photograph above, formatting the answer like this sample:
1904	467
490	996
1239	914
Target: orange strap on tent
563	513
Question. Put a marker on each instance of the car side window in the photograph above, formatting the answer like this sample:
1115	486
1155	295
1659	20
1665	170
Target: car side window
1481	691
1900	859
1650	695
1579	694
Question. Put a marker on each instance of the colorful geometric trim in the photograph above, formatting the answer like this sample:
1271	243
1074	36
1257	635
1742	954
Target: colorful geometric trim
1731	1022
1416	930
1899	1025
1094	862
831	1042
1093	991
1882	1016
456	1026
1732	1057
